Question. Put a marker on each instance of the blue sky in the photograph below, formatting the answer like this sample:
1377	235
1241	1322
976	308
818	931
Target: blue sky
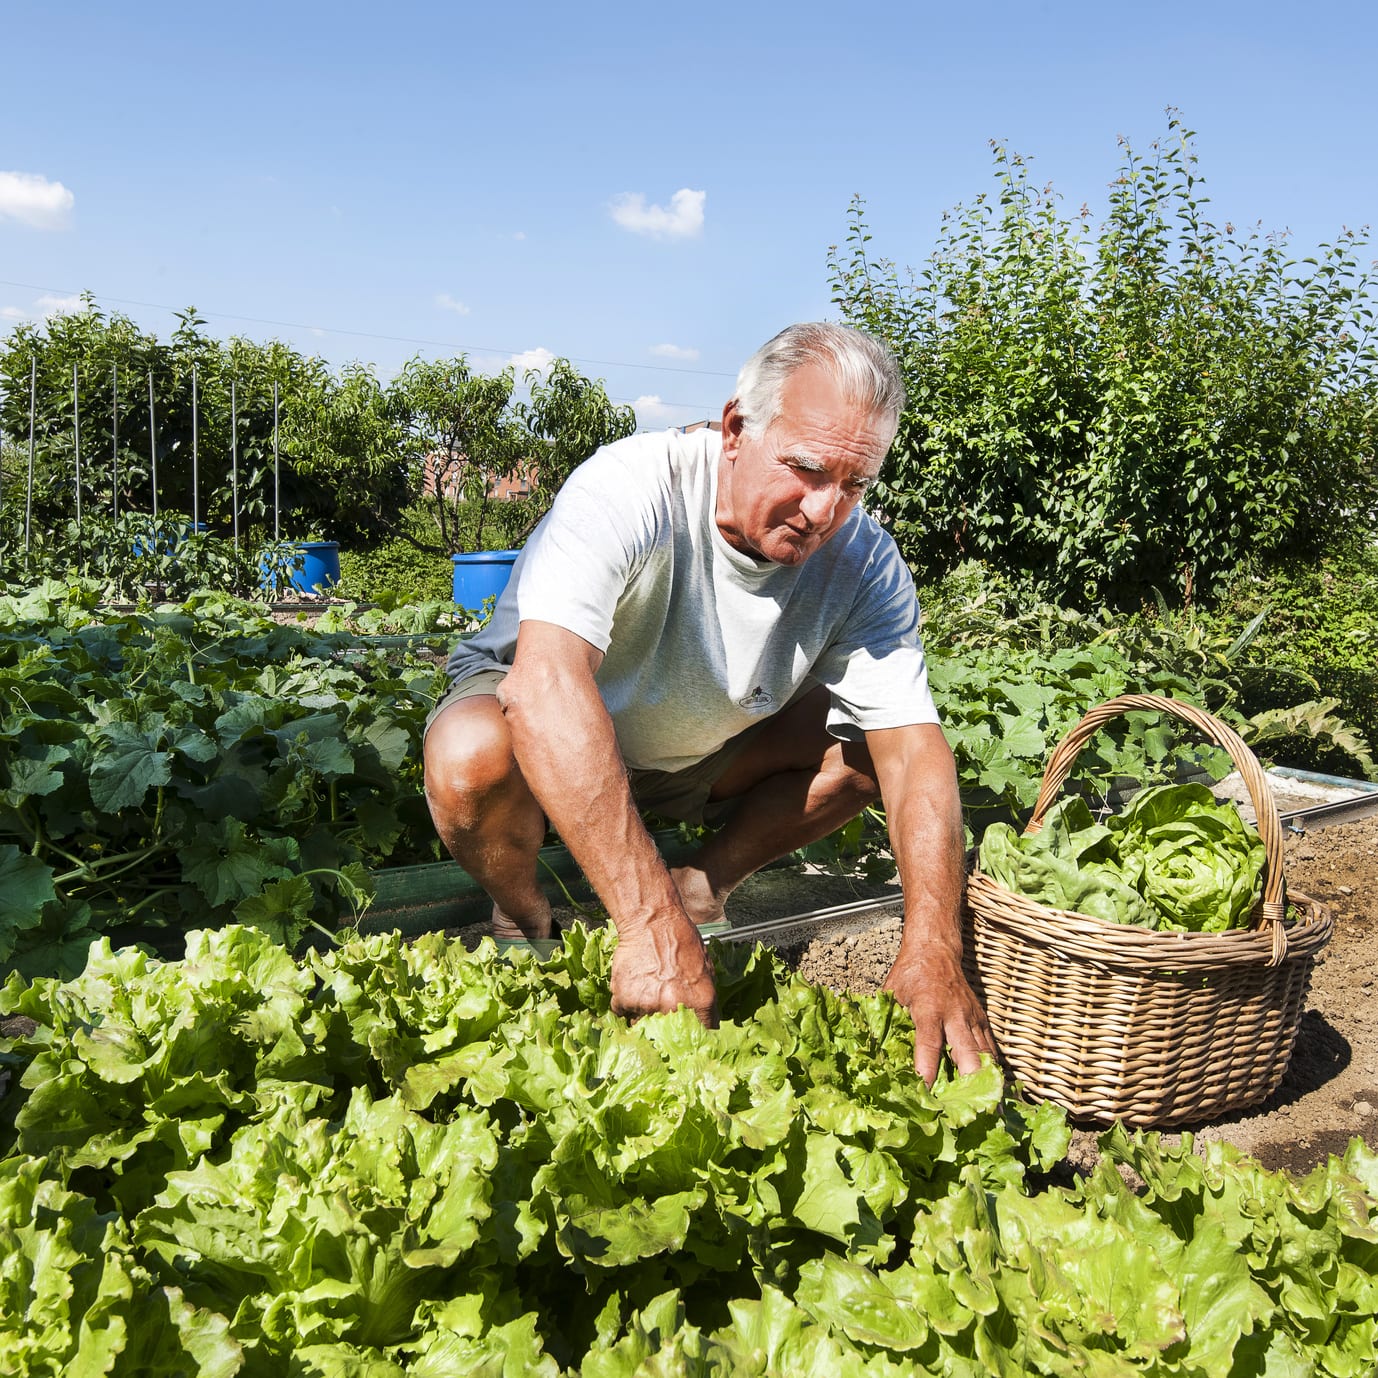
649	190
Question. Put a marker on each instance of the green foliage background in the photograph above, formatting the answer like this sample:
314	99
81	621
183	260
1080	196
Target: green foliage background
1105	415
246	435
339	468
1318	640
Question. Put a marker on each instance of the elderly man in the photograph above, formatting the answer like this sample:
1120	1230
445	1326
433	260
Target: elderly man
710	626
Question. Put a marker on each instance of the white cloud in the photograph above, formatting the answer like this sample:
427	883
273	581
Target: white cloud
34	200
448	303
649	409
519	234
60	306
683	219
539	359
673	351
42	308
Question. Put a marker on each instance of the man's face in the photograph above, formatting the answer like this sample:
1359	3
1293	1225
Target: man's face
783	493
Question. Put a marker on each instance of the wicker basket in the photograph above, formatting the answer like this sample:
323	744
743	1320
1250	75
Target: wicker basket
1115	1022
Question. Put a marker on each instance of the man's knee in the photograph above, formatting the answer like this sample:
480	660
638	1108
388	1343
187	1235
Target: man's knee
468	756
850	763
798	740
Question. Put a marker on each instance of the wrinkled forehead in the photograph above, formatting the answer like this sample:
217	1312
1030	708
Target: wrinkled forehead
816	406
838	437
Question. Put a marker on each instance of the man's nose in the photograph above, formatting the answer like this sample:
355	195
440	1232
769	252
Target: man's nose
819	505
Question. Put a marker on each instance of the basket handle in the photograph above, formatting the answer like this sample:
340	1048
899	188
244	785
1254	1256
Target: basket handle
1273	906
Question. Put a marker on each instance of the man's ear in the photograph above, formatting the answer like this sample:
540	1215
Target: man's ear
733	423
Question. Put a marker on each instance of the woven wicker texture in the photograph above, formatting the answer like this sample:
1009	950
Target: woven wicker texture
1115	1022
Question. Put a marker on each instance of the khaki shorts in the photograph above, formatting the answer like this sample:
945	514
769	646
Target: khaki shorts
678	795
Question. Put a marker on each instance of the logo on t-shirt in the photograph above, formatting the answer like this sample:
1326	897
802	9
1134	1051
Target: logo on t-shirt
757	698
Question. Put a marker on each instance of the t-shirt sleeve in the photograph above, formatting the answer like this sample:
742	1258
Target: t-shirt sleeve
589	547
875	669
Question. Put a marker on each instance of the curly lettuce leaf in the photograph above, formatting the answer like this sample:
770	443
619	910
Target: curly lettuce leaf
1070	864
1175	858
1200	866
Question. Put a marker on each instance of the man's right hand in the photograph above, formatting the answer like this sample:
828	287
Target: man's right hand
565	745
661	965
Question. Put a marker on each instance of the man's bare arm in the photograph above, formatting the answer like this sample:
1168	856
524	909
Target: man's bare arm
566	746
918	785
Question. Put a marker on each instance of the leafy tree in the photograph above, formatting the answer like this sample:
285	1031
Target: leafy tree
107	358
338	456
346	473
567	419
463	437
467	432
1143	409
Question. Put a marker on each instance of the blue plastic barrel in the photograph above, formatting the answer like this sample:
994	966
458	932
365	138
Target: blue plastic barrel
481	574
320	566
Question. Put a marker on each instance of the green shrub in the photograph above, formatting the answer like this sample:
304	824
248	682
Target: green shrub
1289	654
414	566
1318	641
395	571
1106	415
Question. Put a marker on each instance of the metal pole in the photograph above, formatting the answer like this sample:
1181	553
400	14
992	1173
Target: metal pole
33	399
76	438
115	442
195	475
152	445
277	465
234	462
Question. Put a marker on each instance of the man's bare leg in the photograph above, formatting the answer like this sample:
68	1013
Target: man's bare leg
795	784
484	813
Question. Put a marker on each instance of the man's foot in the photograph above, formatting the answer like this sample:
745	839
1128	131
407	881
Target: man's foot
697	897
536	924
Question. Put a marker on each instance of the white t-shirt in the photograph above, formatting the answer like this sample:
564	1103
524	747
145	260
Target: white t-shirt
701	641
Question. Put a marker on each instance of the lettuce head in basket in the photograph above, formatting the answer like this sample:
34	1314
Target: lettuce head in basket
1175	858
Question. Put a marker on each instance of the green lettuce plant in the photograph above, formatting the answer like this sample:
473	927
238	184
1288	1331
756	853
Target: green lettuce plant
1173	859
404	1158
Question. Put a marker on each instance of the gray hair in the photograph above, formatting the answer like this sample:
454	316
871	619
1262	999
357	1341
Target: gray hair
863	368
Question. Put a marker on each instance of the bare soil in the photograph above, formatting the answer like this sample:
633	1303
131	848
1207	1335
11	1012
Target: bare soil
1330	1091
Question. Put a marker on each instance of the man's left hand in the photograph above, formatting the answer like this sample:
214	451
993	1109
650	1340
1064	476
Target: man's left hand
928	981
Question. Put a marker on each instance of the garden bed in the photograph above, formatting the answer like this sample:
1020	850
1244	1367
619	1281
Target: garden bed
1330	1091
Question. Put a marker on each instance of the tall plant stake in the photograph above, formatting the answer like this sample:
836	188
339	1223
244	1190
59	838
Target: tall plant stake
234	463
152	445
33	403
195	475
76	438
115	441
277	464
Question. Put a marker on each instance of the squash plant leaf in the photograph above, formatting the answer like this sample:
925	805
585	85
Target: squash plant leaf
26	885
282	909
132	763
227	865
